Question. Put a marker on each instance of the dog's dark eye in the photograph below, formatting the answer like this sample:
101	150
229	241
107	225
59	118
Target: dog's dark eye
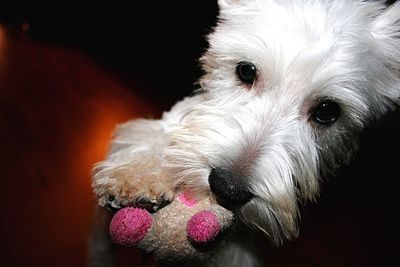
327	112
246	72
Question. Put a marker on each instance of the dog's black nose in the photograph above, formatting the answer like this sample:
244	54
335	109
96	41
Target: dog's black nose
230	189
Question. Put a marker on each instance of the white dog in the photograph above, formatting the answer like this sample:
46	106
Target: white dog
288	86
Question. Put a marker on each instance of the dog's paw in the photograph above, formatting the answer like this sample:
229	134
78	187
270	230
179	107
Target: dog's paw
127	186
150	203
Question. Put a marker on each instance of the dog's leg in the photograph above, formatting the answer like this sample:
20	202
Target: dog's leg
134	171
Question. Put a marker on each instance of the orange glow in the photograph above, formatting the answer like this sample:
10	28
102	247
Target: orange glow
58	111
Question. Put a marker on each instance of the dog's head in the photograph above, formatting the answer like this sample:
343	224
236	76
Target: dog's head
288	86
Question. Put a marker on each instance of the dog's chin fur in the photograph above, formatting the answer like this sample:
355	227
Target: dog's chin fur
264	133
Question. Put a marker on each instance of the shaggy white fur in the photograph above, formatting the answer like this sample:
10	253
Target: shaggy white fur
288	86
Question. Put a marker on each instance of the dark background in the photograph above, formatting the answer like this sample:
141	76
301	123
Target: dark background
157	44
69	72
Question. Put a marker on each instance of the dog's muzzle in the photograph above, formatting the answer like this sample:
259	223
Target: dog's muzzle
229	189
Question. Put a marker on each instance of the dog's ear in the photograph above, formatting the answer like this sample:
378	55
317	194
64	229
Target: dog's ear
386	30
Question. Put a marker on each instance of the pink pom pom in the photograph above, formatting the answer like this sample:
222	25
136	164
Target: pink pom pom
129	226
203	227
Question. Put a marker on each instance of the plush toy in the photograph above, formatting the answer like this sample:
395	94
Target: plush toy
182	232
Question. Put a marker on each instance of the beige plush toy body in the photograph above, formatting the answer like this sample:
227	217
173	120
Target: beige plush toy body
181	233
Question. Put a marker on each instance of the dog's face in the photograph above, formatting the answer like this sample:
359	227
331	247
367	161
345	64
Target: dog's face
288	86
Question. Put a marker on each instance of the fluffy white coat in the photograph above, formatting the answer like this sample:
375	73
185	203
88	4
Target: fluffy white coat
347	51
